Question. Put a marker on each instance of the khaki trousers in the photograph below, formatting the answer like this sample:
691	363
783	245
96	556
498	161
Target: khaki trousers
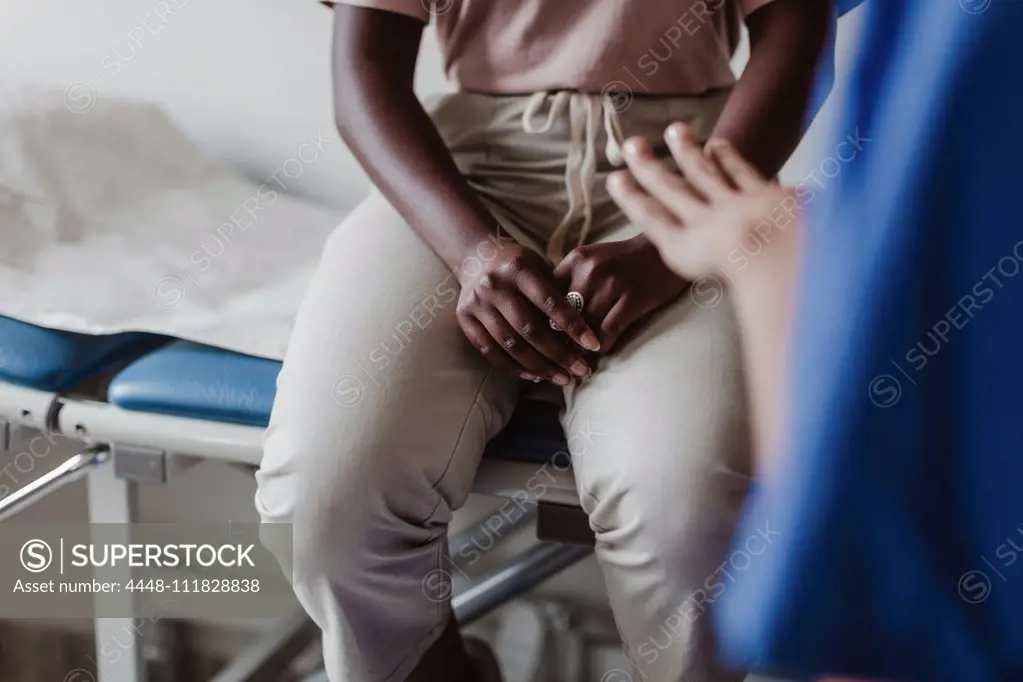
383	408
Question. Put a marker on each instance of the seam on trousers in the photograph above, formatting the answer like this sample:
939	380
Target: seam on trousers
458	441
442	546
430	636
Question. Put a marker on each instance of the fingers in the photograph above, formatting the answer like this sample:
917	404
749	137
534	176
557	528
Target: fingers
617	320
545	296
704	175
520	351
602	289
541	351
669	188
596	313
576	273
563	273
489	347
737	169
638	206
662	226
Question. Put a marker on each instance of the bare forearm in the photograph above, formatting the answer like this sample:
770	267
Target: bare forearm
389	132
765	114
764	296
764	121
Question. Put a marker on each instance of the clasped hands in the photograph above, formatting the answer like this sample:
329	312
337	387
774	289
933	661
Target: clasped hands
691	222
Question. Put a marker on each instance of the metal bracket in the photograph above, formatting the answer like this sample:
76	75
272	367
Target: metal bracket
564	523
75	467
140	464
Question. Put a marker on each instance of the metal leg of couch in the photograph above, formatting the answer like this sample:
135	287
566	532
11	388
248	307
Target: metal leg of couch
119	641
270	655
507	582
484	534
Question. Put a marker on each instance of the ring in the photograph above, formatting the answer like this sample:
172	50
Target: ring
577	301
509	344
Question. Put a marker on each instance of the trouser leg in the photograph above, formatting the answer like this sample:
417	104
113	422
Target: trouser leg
382	412
659	441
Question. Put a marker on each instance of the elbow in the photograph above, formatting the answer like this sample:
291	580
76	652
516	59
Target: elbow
352	102
373	65
817	27
347	93
813	26
795	28
366	92
343	117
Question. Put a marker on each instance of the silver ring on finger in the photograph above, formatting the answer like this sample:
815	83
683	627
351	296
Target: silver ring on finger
484	350
576	300
509	344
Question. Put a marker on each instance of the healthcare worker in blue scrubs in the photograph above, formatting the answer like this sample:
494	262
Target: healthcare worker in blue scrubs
883	333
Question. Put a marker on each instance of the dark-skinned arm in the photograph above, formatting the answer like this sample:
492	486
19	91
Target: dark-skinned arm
385	126
765	113
764	116
509	297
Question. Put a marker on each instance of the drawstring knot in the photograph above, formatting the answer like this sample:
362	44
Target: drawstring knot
584	112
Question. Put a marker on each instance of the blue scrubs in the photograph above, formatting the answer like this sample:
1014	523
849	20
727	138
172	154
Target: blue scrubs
894	543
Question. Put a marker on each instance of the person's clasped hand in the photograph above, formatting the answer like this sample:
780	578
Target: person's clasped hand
621	283
506	312
692	222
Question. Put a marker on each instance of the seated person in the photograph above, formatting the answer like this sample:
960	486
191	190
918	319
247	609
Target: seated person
443	295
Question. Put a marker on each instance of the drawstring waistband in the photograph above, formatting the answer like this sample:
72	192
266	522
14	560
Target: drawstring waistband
584	111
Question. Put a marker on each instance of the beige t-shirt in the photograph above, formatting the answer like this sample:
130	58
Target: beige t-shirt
656	47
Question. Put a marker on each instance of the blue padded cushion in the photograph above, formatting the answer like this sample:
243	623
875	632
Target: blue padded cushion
534	434
48	360
190	380
187	379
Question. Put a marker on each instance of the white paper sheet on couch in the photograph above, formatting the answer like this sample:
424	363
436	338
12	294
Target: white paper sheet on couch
111	220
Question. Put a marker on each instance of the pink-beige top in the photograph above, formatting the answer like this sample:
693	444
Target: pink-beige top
655	47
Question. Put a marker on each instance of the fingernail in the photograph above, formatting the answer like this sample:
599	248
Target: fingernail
590	342
580	369
526	376
616	180
632	147
562	380
675	131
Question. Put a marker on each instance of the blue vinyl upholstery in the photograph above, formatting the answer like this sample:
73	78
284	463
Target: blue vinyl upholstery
49	360
534	434
191	380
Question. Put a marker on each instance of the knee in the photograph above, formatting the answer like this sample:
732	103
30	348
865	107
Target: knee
669	504
343	504
298	526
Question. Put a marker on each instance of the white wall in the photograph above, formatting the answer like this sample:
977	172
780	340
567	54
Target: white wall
249	80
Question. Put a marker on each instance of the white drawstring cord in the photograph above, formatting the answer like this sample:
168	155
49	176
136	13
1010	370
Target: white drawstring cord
536	103
581	163
615	136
